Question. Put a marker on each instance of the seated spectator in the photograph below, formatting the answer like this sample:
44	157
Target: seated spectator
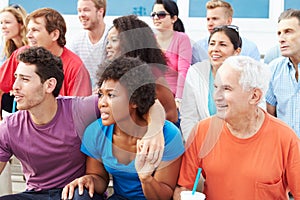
89	44
174	43
219	12
283	94
12	20
244	152
47	28
45	134
133	37
197	101
272	54
127	90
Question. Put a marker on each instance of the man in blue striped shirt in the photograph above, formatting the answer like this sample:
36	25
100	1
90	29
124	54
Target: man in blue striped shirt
283	96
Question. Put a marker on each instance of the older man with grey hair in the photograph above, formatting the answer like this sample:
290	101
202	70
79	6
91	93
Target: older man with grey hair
244	152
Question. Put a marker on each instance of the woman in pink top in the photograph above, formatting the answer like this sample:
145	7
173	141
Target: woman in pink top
174	42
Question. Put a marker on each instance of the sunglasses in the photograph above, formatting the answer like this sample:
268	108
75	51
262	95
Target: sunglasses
16	6
159	14
233	27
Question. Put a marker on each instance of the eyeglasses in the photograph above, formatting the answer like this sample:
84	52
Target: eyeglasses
235	28
159	14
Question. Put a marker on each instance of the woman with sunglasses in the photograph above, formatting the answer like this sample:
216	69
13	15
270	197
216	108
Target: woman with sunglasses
12	22
174	43
197	101
133	37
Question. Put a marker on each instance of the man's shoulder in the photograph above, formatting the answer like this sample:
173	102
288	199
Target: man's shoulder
64	100
246	43
78	100
79	37
14	120
68	57
21	49
202	41
283	130
278	64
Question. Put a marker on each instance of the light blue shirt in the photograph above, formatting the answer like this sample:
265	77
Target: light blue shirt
211	103
271	54
97	143
249	48
284	92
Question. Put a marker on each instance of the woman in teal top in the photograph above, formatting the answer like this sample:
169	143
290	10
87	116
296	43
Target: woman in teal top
197	100
127	91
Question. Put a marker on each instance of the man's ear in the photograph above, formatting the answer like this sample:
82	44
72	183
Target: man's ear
101	11
256	96
55	34
229	20
50	85
133	105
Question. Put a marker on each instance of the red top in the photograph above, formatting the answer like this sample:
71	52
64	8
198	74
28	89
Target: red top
76	82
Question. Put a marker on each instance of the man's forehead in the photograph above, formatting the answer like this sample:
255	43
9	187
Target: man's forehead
226	72
38	21
25	67
290	22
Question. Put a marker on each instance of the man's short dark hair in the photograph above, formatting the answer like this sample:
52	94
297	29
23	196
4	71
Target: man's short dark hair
47	65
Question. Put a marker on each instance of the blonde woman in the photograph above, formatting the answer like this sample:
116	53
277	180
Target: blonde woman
13	30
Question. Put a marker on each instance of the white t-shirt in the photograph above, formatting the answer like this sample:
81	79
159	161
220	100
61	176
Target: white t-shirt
92	55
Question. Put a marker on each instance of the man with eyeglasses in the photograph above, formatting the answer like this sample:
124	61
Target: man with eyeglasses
89	44
219	13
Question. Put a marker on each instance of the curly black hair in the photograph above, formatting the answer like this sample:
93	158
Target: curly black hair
47	65
138	40
135	76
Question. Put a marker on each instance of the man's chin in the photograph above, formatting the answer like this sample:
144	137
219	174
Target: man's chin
220	115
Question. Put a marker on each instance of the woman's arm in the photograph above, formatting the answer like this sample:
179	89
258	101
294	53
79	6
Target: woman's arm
152	144
166	98
184	62
96	169
162	184
95	180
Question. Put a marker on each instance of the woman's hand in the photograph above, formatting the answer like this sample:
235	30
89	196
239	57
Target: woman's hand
144	164
151	147
86	181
